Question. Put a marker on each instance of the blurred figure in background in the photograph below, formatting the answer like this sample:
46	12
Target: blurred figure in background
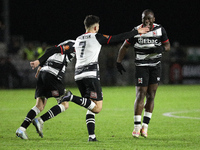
9	74
28	52
110	75
40	50
2	28
177	53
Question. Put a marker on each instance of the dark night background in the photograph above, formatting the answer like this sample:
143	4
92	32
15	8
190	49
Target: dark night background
54	21
34	22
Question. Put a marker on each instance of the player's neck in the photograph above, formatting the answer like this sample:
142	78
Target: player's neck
90	31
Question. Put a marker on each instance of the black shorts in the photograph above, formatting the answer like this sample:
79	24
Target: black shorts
48	86
146	75
90	88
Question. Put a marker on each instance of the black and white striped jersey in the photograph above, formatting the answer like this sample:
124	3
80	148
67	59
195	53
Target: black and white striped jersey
56	63
145	43
87	50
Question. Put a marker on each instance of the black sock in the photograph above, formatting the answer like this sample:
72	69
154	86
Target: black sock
90	121
29	117
55	110
85	102
146	120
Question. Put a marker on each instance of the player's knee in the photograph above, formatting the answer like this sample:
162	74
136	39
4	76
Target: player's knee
151	95
97	109
40	107
63	106
141	95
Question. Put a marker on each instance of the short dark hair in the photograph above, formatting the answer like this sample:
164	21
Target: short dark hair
148	11
90	20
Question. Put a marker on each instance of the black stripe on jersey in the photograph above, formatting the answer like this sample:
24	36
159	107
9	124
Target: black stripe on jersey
144	51
148	61
54	65
60	75
92	67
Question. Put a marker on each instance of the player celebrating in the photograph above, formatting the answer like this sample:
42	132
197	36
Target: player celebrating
49	84
88	46
148	52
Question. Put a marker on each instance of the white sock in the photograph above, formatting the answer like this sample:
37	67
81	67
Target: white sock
22	128
137	118
92	136
137	127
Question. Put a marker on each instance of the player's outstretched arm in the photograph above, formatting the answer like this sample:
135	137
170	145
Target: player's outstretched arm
126	35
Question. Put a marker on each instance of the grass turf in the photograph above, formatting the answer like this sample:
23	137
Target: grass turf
114	123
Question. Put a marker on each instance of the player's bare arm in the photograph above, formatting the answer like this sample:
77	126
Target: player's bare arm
122	51
167	46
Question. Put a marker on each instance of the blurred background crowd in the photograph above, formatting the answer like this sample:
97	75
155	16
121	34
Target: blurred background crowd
180	66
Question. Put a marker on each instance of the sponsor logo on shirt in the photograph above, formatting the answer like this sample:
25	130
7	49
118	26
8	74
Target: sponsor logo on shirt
140	81
147	41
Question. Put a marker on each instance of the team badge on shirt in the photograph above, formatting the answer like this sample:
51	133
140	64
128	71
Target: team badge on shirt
93	95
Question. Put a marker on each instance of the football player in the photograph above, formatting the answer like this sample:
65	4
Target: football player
49	84
88	47
148	52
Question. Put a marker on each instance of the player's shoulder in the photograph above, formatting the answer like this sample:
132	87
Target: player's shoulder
67	42
159	26
156	25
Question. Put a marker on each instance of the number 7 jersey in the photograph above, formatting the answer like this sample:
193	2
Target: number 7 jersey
87	49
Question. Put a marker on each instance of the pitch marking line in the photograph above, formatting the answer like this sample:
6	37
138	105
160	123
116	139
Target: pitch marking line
173	114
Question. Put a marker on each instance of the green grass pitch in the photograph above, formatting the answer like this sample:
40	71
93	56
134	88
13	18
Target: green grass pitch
114	124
